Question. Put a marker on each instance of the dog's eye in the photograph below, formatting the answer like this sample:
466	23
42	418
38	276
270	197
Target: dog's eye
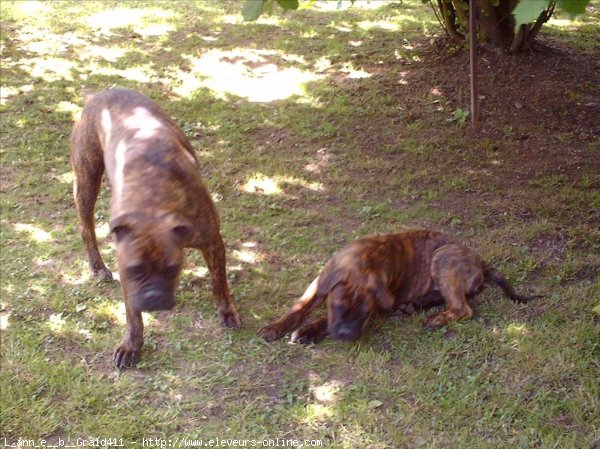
171	271
136	273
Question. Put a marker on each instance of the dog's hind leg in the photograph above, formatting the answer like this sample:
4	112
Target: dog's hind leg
456	272
214	256
311	298
88	166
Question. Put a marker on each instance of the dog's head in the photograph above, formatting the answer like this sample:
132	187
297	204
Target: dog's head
150	256
348	311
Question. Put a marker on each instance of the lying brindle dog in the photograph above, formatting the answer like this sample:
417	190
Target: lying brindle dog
397	273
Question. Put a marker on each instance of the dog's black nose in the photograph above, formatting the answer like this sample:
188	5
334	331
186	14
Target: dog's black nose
344	332
155	299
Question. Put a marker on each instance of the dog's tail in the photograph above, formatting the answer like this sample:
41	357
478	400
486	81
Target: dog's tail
491	276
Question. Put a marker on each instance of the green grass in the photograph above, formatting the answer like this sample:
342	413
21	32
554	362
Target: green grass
354	140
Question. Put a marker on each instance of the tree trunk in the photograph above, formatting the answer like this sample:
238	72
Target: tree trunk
495	23
489	24
449	20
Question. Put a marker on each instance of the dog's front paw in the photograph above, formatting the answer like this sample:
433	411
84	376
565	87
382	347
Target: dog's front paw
306	338
102	274
230	318
271	332
434	322
311	333
126	357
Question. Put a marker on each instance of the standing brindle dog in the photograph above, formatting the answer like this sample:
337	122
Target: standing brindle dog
389	273
159	206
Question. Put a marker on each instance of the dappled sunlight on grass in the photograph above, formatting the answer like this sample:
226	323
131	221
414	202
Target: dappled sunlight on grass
199	272
56	322
6	92
566	23
4	319
342	28
402	80
50	69
516	330
368	25
80	273
313	186
30	8
37	288
244	72
328	392
209	38
317	412
141	73
247	255
561	23
145	21
79	278
48	48
90	317
42	263
343	5
109	54
320	162
309	34
353	73
236	19
322	64
69	108
184	83
35	233
66	178
270	20
4	312
260	183
580	31
111	311
47	43
115	312
513	334
102	230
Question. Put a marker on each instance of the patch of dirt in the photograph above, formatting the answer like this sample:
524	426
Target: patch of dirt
540	117
554	245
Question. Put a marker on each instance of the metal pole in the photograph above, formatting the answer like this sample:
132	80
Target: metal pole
473	55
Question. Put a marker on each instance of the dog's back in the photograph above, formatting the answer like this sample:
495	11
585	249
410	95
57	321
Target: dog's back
136	141
117	114
401	261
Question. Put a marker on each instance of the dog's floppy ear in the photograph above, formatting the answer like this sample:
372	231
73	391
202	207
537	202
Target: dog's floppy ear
120	226
181	227
377	287
330	280
384	298
183	231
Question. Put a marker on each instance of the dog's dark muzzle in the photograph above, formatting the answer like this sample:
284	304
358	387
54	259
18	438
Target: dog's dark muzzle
154	296
346	331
